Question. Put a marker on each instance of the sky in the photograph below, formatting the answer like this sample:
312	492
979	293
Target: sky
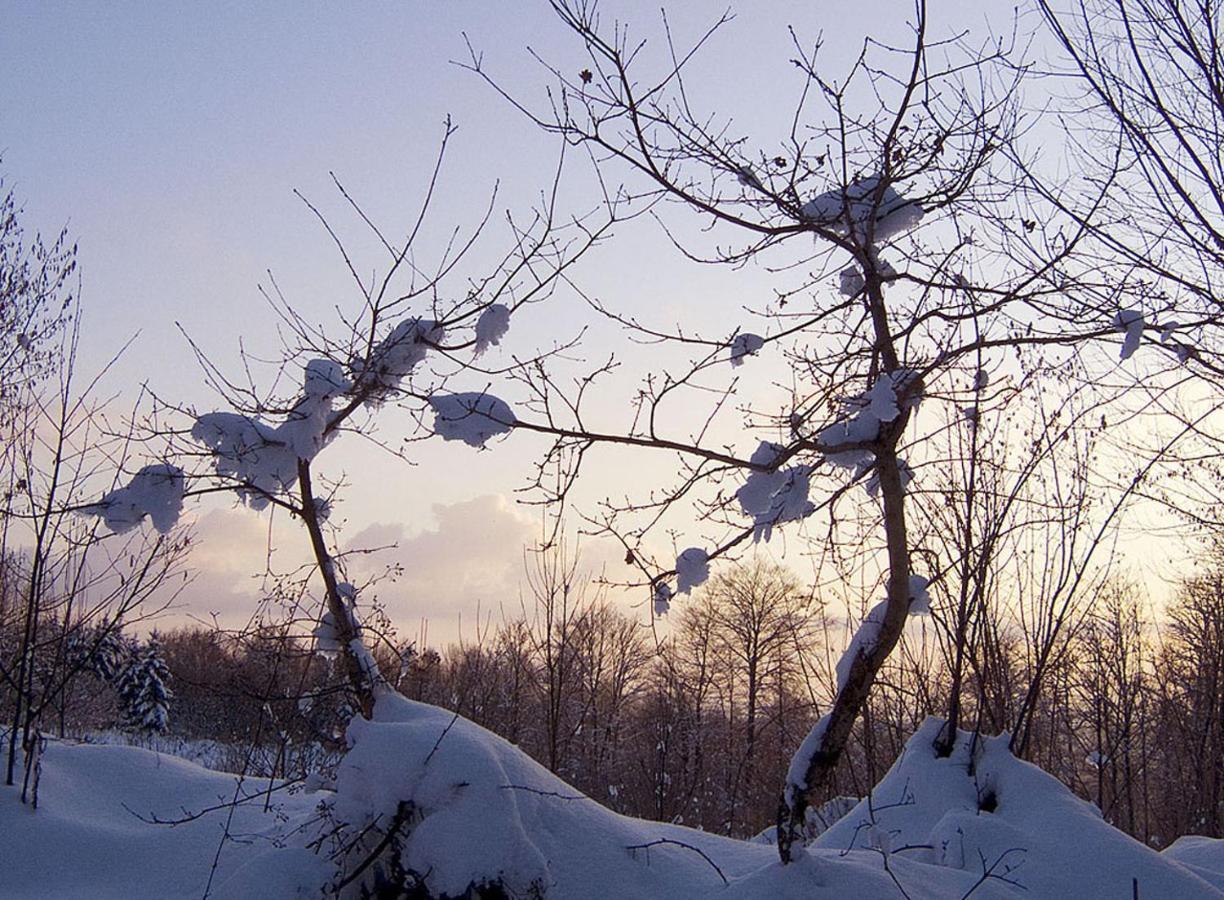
170	138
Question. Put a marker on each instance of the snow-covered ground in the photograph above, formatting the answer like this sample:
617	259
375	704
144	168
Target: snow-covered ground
475	810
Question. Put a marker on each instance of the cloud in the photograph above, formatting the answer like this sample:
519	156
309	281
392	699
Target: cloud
470	560
228	562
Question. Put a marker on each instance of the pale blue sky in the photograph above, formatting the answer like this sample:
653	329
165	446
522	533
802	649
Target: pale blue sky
169	137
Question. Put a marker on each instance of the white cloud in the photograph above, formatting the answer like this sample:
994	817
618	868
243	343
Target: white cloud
469	558
472	558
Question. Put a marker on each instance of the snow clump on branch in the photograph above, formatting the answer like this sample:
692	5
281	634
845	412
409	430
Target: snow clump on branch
745	344
851	210
662	596
327	632
862	417
755	493
920	596
1130	322
265	458
692	569
155	491
471	417
772	496
325	379
863	642
395	357
796	774
851	281
491	327
789	504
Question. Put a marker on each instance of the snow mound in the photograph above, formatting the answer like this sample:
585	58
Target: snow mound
1202	855
90	839
475	810
485	813
980	810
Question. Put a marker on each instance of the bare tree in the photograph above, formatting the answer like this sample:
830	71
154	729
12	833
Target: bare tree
759	620
909	174
67	589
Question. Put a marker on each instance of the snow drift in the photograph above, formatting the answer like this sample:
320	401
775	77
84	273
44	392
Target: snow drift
470	809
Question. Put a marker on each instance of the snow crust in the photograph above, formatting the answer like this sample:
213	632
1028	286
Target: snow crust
486	812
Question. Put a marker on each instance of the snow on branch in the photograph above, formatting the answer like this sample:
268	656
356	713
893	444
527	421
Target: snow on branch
265	457
862	643
845	442
920	596
327	632
471	417
395	357
491	327
772	496
662	596
1130	322
692	569
789	504
850	211
872	484
796	774
155	491
745	344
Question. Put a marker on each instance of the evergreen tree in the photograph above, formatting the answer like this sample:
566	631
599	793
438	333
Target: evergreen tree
98	650
143	695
